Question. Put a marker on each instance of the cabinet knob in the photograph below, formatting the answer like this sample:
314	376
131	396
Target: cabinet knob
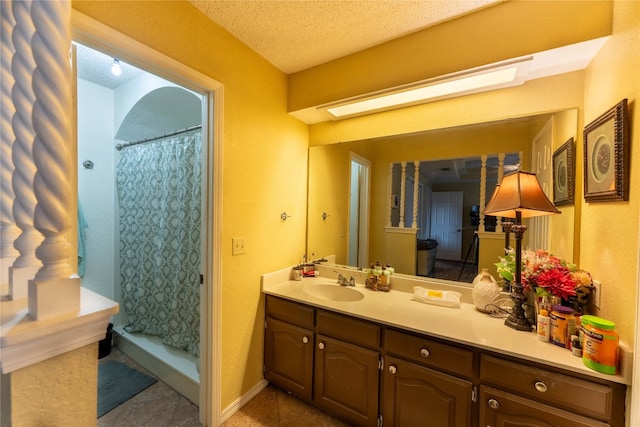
392	369
305	340
493	404
424	352
321	346
540	386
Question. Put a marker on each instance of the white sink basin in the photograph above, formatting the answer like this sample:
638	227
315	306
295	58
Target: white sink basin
333	292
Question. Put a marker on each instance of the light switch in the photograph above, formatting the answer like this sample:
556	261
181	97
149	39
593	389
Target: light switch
239	245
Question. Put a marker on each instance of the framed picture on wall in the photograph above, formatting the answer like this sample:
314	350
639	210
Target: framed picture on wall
606	156
564	172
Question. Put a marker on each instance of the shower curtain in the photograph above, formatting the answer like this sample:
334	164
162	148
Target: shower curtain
160	217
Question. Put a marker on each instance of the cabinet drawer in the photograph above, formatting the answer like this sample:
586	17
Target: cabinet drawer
290	311
582	396
501	408
349	329
429	353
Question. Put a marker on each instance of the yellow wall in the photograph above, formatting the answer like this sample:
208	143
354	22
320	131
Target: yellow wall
565	227
471	41
62	391
265	165
609	231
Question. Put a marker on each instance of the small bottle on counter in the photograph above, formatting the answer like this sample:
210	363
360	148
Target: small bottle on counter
562	323
542	327
384	283
371	281
576	348
390	269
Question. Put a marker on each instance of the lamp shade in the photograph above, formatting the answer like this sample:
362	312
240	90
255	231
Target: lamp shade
519	192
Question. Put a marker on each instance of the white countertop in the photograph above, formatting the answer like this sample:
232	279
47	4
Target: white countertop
464	325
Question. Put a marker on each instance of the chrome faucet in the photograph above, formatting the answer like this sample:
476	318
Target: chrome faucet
344	282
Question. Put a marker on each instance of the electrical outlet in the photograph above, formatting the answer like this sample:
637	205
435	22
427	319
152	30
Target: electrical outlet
597	294
239	245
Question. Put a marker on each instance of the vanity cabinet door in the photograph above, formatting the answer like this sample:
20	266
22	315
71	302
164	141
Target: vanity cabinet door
346	380
502	409
288	360
416	396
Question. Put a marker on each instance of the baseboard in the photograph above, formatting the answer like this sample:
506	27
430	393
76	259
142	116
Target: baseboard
242	400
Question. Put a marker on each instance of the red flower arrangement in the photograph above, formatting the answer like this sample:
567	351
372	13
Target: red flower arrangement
547	274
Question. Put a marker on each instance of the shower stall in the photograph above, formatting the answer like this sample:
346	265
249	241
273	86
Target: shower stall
140	215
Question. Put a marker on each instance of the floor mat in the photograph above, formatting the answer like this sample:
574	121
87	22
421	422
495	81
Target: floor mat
118	383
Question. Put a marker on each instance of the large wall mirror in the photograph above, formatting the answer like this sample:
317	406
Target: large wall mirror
354	187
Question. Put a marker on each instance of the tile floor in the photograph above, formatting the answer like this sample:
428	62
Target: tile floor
160	406
156	406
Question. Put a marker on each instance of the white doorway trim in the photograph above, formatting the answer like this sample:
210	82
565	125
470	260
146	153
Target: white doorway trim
362	210
541	165
101	37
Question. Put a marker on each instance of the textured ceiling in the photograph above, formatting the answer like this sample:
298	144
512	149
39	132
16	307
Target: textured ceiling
95	67
297	34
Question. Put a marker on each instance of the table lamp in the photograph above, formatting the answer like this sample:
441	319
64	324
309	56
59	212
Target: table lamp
519	196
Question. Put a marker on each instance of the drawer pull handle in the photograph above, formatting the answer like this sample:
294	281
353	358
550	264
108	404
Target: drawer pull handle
540	386
321	346
392	369
493	404
424	353
305	340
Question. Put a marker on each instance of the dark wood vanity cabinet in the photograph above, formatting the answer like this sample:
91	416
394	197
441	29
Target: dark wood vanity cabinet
288	346
500	408
522	393
334	361
426	382
347	367
327	358
415	396
289	357
346	380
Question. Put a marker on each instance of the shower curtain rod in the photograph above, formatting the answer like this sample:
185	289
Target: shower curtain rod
142	141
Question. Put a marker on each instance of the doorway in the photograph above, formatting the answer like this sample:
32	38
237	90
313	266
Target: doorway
116	45
359	211
446	223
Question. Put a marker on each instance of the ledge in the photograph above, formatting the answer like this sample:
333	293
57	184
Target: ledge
25	341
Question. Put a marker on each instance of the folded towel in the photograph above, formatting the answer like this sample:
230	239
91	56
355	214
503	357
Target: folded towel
437	297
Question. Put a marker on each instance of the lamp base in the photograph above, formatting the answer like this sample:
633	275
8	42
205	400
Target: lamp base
519	324
517	319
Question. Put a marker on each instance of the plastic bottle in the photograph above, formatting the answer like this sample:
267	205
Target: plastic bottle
584	321
600	346
542	328
390	269
562	323
385	280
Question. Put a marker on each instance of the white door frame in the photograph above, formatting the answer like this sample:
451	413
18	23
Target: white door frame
96	35
541	165
364	202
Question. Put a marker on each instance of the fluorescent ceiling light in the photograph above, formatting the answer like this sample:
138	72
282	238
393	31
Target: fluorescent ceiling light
495	76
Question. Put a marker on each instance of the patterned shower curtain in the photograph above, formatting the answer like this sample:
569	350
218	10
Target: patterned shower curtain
160	216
